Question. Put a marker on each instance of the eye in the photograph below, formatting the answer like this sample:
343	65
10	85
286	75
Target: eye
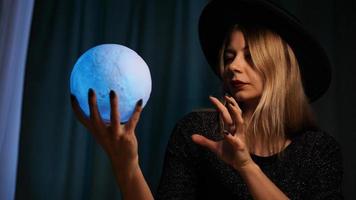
228	58
247	56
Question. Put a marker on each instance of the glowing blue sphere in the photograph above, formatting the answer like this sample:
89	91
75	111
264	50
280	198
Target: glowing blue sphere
111	67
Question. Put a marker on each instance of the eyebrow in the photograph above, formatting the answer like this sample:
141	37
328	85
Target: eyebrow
230	50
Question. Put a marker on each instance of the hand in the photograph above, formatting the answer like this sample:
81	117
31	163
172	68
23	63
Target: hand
232	148
118	141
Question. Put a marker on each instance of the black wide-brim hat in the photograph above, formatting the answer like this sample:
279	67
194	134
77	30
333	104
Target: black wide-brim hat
219	15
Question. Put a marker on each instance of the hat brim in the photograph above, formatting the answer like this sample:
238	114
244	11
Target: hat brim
218	16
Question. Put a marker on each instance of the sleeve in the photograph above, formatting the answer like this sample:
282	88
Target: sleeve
326	180
178	179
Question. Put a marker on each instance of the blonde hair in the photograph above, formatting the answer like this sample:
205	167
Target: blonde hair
283	108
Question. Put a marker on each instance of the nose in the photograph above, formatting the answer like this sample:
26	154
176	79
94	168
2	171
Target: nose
237	64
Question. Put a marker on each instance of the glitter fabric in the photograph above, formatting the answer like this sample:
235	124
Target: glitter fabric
310	169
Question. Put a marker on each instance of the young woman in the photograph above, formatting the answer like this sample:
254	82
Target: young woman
262	142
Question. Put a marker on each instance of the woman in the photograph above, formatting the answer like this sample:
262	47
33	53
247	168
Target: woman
262	141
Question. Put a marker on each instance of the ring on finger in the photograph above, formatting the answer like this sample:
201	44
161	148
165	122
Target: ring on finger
226	132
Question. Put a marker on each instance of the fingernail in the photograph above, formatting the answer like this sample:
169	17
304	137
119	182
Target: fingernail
139	103
91	92
72	97
112	94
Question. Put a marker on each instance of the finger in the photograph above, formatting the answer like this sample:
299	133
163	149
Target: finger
78	112
236	115
223	111
114	111
233	101
203	141
235	110
93	108
131	125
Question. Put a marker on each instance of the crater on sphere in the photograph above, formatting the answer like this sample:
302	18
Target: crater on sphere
111	67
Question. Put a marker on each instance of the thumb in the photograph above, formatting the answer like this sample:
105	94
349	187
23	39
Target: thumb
205	142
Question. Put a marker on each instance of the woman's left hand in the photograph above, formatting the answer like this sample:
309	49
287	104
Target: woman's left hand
232	148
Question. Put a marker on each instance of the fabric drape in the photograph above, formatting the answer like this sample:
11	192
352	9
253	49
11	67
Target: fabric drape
60	160
15	23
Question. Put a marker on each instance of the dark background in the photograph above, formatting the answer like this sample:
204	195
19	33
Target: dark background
60	160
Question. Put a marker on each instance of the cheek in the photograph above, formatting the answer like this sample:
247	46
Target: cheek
258	83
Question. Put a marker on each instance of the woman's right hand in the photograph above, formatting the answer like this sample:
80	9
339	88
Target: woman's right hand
119	141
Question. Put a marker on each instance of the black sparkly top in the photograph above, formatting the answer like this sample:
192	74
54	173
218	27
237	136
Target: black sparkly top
311	167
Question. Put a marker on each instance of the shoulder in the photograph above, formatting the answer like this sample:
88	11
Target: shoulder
198	119
195	122
320	145
199	114
203	121
319	139
322	165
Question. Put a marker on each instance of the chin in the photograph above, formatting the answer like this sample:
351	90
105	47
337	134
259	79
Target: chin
244	96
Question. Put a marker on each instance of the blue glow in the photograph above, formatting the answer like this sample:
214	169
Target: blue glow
111	67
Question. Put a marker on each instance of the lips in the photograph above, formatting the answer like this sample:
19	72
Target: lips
237	83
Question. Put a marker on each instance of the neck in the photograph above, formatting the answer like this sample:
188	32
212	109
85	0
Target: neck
247	109
247	114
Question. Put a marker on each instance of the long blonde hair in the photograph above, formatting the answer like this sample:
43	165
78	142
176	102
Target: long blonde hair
283	108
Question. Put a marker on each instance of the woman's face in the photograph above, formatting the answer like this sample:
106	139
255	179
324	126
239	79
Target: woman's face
240	76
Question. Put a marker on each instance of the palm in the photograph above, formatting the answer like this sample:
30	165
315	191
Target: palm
232	148
225	151
119	141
